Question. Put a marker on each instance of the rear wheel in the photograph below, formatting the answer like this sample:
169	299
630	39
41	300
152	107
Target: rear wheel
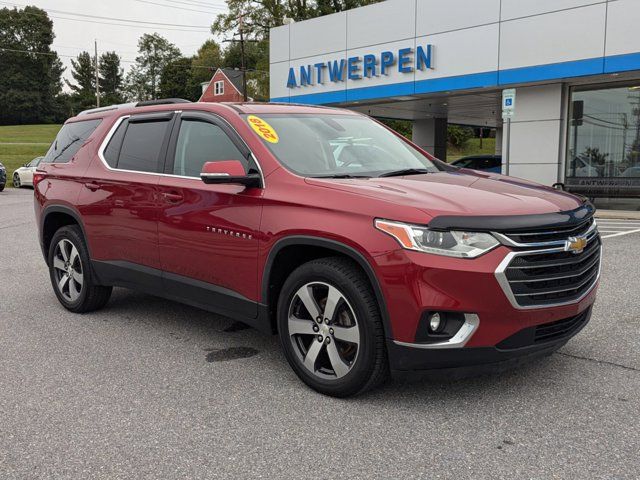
71	275
330	328
16	180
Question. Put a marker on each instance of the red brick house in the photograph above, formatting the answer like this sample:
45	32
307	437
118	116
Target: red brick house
225	86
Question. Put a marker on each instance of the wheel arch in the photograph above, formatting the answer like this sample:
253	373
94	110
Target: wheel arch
306	248
55	217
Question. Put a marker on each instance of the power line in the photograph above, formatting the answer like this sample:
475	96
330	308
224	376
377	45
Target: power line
99	17
177	8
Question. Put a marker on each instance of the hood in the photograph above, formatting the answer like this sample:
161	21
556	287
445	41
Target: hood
462	192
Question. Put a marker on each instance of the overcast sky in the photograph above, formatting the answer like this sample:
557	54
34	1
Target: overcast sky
75	32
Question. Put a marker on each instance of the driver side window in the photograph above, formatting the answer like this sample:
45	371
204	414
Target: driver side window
200	142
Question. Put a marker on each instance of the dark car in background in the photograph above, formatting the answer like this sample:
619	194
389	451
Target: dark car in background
3	177
484	163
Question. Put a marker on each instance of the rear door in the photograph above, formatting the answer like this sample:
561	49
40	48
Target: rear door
208	234
119	201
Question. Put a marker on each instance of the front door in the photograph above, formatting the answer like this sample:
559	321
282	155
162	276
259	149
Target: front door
208	234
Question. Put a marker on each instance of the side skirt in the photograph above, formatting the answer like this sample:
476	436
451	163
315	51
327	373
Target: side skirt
195	293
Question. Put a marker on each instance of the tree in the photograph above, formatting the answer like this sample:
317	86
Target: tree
111	78
30	72
176	80
261	15
258	16
208	59
84	89
155	52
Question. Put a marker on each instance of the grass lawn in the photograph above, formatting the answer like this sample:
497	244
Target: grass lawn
20	144
472	147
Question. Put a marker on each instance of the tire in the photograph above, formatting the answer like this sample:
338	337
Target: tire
16	181
71	275
2	187
342	357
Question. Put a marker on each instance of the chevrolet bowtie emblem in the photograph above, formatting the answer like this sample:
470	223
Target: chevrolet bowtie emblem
575	244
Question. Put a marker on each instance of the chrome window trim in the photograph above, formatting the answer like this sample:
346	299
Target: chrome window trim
121	119
459	340
505	240
501	276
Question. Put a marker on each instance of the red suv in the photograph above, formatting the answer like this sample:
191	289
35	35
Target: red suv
364	253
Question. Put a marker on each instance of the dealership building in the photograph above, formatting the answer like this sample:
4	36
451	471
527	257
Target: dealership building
575	66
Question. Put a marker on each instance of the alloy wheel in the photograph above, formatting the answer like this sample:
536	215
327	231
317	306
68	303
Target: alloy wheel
68	270
323	330
16	180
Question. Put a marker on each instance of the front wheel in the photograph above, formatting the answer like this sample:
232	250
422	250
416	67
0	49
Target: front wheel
330	328
16	180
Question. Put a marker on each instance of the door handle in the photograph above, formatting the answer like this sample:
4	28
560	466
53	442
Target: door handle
93	186
172	197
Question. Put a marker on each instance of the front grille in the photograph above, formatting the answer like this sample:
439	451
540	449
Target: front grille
551	276
550	234
551	331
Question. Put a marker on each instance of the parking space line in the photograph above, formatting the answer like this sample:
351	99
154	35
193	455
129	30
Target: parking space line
619	234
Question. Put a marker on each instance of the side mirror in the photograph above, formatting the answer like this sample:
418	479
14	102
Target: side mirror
229	172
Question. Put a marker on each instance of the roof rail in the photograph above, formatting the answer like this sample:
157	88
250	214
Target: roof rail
146	103
161	101
106	109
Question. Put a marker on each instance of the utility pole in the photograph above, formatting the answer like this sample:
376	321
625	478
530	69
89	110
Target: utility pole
242	62
95	44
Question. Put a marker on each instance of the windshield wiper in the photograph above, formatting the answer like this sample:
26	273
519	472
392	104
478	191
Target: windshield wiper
340	175
406	171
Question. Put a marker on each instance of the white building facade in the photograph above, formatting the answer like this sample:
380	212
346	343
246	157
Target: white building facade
575	65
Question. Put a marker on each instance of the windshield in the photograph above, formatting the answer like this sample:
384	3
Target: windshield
338	146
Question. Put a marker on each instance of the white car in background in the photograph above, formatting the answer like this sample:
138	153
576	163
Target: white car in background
23	176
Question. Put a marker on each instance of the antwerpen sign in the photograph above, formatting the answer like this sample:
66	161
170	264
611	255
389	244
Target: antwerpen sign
405	60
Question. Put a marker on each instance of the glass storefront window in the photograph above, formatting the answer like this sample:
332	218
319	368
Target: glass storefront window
603	149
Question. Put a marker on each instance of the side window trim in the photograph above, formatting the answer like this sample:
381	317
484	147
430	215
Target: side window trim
170	116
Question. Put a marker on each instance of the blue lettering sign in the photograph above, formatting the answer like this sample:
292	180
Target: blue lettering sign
354	68
305	75
404	60
291	82
423	58
368	66
336	74
370	63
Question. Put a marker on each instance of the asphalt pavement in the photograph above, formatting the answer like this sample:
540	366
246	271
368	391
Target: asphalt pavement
148	388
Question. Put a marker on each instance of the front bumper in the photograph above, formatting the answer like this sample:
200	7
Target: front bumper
414	283
522	347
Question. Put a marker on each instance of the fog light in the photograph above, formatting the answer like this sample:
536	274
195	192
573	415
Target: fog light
435	322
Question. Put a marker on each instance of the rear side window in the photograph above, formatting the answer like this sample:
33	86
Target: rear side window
200	142
142	146
69	140
112	151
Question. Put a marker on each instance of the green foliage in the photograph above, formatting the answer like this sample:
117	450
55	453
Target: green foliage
261	15
458	136
111	78
176	79
155	53
84	89
30	141
403	127
29	82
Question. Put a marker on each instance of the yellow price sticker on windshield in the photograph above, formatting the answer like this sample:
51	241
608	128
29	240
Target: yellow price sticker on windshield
263	129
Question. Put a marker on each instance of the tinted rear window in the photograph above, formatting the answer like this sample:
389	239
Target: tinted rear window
142	146
69	140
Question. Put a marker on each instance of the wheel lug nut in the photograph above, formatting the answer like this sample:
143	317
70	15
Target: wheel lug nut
327	340
319	319
319	338
316	328
326	320
331	331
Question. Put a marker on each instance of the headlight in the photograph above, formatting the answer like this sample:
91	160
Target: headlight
450	243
